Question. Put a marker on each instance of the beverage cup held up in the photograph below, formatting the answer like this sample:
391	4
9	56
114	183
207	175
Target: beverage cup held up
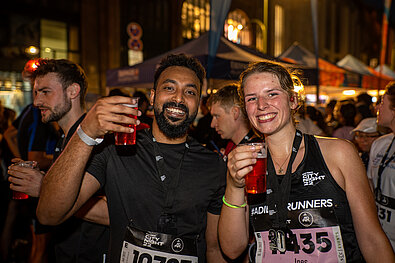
19	195
123	138
256	179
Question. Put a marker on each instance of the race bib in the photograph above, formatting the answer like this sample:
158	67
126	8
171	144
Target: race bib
315	237
152	247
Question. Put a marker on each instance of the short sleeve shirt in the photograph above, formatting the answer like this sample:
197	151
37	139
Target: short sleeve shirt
135	190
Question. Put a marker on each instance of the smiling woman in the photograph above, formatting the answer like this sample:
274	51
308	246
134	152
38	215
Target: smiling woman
314	175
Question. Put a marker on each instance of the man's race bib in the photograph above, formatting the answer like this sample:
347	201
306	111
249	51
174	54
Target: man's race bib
152	247
313	236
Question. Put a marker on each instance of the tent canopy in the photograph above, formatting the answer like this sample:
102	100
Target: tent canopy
371	79
231	59
330	74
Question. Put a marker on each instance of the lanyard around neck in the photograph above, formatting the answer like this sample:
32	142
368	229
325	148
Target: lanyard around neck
279	196
384	163
170	188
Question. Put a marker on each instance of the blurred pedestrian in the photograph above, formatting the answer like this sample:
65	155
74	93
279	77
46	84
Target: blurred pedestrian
229	119
203	132
381	169
345	113
364	135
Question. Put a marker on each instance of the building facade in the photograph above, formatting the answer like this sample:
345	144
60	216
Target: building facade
97	34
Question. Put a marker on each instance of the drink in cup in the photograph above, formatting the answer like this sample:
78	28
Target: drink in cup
256	179
124	138
19	195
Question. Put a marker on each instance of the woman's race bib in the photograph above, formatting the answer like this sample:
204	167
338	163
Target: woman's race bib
312	235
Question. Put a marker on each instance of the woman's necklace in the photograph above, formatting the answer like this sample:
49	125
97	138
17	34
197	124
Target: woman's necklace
281	170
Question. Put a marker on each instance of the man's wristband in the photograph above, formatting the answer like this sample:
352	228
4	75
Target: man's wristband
233	206
86	138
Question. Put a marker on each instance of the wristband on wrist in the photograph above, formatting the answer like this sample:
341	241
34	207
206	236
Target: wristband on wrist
233	206
86	138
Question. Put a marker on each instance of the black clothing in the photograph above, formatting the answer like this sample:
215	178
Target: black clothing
135	190
206	135
33	134
77	240
314	188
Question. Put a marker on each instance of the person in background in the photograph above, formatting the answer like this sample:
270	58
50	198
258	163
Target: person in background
30	139
364	106
305	124
318	209
365	134
204	133
345	113
381	168
164	191
59	94
229	119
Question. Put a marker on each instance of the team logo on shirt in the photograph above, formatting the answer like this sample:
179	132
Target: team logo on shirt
312	178
306	219
177	245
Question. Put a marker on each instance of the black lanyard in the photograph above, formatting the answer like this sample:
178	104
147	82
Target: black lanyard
248	137
160	167
167	221
279	197
384	163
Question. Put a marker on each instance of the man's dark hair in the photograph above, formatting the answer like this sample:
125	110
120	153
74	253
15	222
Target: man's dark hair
365	99
181	60
348	111
67	71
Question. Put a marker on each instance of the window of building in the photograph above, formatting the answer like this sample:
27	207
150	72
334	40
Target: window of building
195	18
53	39
237	27
278	30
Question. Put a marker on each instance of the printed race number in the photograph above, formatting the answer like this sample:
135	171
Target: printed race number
147	258
324	243
308	245
384	214
135	254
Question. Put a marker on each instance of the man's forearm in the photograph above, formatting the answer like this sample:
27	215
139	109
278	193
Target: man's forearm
95	210
59	197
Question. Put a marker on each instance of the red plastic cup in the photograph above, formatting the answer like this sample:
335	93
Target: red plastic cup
256	179
124	138
19	195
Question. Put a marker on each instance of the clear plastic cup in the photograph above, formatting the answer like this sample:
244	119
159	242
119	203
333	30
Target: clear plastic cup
125	138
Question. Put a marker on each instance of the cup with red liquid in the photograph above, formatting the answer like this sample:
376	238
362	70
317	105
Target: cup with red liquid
19	195
124	138
256	179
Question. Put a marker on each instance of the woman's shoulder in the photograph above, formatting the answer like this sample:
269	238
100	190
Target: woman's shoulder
340	147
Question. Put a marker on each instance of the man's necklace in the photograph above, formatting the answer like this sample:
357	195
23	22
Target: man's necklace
281	170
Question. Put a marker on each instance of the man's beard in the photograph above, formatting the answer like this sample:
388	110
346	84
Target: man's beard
59	111
173	131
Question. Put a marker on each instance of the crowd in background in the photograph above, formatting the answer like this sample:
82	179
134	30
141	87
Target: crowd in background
351	119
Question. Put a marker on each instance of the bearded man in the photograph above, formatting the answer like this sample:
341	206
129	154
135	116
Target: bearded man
59	93
163	193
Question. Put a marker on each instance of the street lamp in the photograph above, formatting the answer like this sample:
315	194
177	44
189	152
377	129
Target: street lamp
31	50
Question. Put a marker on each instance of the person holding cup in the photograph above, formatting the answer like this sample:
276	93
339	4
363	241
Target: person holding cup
164	192
59	88
318	201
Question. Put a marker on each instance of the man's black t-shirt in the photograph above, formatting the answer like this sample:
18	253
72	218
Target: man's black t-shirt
135	190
